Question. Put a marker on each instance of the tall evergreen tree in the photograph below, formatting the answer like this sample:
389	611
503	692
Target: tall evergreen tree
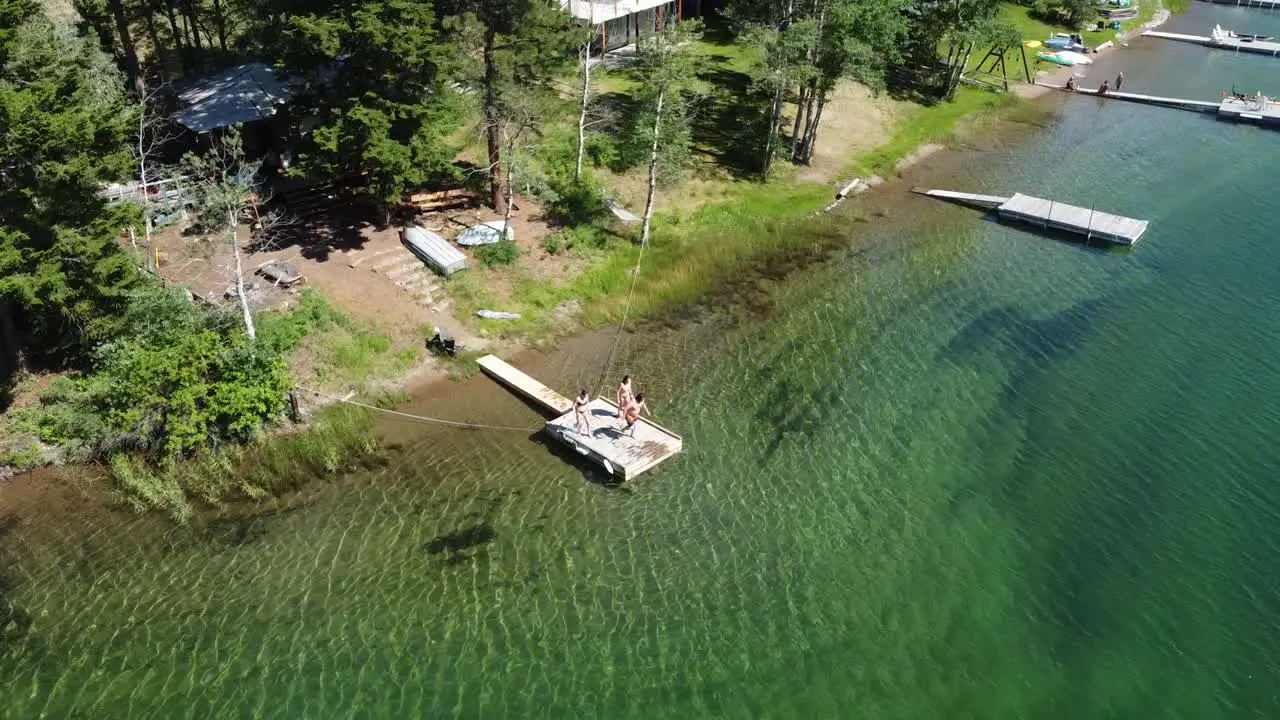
66	124
524	43
386	112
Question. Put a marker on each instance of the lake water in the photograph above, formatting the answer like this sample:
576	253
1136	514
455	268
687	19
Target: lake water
966	472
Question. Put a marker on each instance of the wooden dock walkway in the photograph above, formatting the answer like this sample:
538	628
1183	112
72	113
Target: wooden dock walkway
550	400
1257	110
620	455
1221	40
1050	214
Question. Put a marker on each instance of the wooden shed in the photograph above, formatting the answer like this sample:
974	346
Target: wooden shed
434	250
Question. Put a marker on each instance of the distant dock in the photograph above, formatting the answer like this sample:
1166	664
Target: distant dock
1260	4
1222	40
620	455
1050	214
1257	110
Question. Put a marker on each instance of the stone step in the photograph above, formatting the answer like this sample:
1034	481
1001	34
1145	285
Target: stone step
362	258
403	271
399	258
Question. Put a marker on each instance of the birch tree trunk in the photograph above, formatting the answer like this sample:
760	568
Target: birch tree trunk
799	123
775	119
240	293
586	98
142	175
511	198
811	135
653	170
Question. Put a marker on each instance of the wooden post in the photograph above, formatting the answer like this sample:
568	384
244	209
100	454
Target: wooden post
679	10
295	410
604	39
1025	68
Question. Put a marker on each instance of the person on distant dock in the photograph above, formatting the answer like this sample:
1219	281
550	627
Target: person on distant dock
624	392
1071	84
580	420
1104	87
631	415
1119	80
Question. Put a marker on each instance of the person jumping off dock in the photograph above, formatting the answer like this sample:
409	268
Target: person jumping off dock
1119	80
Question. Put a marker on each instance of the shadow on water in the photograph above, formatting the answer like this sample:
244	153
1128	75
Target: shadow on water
1079	548
460	546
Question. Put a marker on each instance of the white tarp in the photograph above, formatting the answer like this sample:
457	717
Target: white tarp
485	234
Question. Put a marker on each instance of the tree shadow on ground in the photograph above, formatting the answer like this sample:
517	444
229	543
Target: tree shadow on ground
317	235
730	123
7	380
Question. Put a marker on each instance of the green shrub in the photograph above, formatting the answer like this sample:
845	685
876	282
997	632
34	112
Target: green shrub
174	396
503	252
556	243
581	238
601	151
283	332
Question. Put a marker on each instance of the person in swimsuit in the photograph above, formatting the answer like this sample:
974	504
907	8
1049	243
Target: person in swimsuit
580	420
624	392
631	414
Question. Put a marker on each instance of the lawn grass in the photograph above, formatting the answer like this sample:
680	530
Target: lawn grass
926	124
1019	17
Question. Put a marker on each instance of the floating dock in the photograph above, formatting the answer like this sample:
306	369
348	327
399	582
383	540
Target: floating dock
623	456
1050	214
1261	4
1222	40
1251	109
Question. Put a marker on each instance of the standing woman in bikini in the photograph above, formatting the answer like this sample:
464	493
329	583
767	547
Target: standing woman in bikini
580	419
624	394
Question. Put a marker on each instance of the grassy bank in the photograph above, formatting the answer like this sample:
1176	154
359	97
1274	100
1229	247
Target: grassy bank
695	250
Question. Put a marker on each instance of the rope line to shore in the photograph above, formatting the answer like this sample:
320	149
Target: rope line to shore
635	278
422	418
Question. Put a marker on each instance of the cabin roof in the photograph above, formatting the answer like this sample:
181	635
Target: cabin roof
600	11
241	94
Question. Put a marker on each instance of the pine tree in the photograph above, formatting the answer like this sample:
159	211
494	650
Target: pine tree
387	112
66	124
513	43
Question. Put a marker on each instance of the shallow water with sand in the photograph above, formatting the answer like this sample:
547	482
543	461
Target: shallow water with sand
966	471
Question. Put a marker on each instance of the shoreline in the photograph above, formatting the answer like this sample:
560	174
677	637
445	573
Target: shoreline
433	377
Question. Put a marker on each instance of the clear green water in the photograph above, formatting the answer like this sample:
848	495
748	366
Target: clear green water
971	472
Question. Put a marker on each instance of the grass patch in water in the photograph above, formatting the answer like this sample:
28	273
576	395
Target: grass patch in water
339	438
